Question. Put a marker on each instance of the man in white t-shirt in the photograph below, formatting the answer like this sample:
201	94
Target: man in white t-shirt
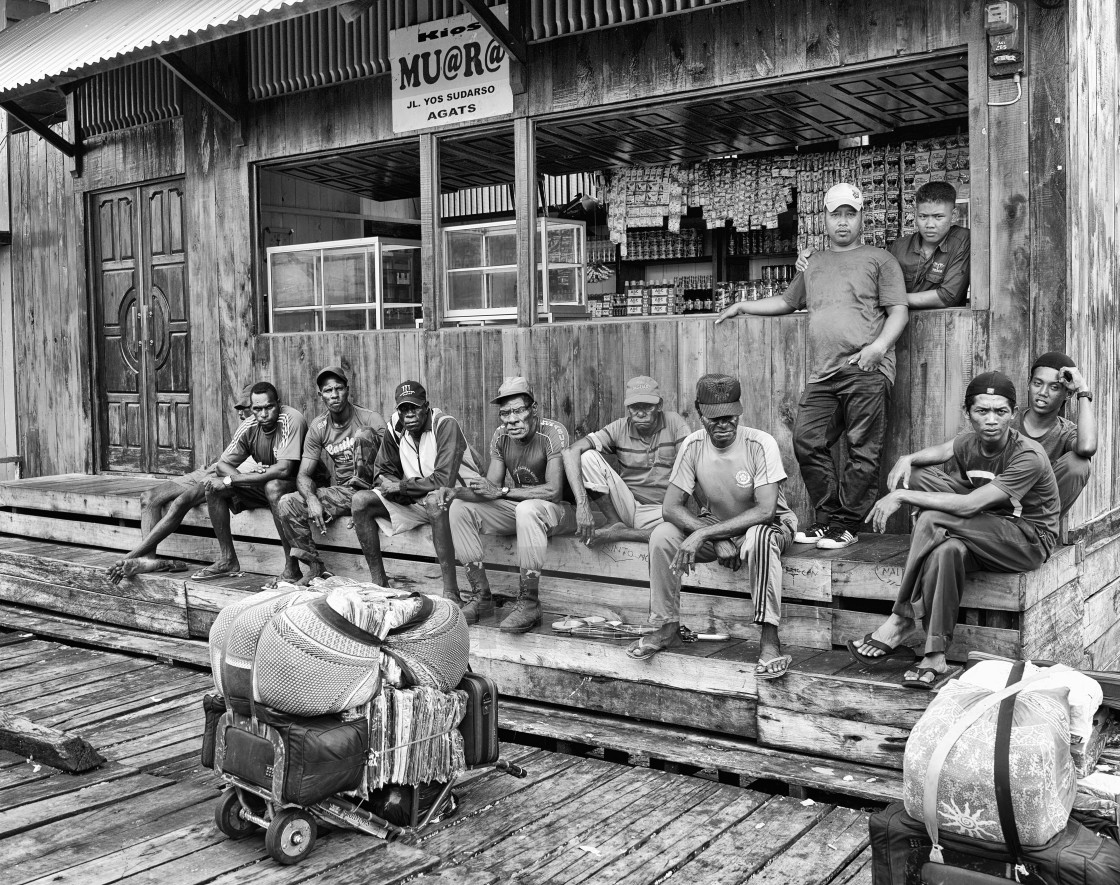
736	475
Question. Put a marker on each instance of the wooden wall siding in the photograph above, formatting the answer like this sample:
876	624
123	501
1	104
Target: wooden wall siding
1094	204
314	214
578	371
51	332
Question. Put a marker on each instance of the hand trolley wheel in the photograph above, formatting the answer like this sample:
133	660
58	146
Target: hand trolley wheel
228	819
290	836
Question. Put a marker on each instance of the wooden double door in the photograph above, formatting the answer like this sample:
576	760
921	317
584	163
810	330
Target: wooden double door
142	325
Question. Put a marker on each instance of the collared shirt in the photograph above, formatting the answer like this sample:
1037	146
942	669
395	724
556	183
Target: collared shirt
644	466
441	456
946	270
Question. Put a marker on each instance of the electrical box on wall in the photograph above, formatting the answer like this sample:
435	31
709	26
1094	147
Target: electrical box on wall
1005	23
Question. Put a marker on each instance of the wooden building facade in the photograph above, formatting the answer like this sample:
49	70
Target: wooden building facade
176	189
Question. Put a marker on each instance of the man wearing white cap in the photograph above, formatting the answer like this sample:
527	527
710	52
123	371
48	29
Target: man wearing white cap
525	452
857	304
645	444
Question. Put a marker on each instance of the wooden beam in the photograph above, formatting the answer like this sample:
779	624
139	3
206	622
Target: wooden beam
208	93
74	163
512	42
47	746
431	247
40	128
525	204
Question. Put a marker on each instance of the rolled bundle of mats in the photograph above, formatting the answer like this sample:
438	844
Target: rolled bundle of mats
414	736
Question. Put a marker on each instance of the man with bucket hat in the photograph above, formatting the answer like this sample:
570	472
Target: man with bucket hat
521	494
423	450
737	474
645	445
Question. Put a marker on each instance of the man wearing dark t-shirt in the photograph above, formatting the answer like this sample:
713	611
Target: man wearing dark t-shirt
343	442
857	309
526	449
1068	444
995	510
936	259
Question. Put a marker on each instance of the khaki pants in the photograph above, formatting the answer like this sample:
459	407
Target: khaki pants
534	522
598	476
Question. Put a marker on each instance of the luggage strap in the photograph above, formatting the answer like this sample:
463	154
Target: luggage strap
1002	767
941	753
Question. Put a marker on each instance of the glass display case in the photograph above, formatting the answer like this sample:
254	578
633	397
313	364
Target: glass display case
480	267
344	285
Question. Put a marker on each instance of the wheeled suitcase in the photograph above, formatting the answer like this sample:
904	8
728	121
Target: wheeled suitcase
480	724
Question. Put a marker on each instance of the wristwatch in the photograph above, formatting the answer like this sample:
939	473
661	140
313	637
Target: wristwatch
505	491
228	481
1085	394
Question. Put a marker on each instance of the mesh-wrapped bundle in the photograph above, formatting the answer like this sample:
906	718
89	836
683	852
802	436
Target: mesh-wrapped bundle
434	649
311	661
234	635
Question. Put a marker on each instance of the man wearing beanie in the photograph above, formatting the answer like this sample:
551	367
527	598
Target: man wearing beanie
996	509
1068	444
856	299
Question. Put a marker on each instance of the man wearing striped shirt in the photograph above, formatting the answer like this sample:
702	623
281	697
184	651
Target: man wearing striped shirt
645	444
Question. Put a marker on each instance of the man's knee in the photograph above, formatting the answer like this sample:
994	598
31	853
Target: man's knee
949	552
532	511
433	507
275	490
665	537
365	504
291	506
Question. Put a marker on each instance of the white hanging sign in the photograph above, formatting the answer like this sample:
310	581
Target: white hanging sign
448	71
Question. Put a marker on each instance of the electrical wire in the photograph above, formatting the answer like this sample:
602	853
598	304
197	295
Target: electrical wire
1018	95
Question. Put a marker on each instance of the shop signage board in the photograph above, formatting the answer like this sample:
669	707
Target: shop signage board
448	71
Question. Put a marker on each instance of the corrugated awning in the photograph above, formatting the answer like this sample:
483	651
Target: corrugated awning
63	47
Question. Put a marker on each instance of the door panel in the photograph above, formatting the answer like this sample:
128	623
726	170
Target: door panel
143	329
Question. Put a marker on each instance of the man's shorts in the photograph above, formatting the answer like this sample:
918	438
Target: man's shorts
247	498
402	517
195	477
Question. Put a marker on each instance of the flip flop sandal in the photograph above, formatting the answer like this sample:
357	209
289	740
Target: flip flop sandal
760	671
570	622
888	651
210	574
919	684
643	651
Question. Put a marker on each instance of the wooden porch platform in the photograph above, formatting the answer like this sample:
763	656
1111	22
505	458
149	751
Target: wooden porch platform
147	814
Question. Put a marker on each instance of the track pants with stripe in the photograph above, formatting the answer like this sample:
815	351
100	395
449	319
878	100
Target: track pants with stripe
944	548
761	549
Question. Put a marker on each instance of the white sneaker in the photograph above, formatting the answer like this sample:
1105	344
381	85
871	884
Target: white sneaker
811	535
837	539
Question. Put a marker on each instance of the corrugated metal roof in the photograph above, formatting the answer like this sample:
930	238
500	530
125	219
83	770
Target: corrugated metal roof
59	48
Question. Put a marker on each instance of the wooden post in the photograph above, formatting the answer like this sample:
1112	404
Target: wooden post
431	246
8	437
525	202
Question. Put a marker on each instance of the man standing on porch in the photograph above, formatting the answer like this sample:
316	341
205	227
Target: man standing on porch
273	437
737	472
344	441
424	450
856	299
995	510
645	443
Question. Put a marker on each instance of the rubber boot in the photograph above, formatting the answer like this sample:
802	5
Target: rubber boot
526	612
480	602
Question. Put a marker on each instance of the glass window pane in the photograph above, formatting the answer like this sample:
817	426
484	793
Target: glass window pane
563	285
296	321
347	320
400	275
294	280
464	290
344	277
401	317
501	247
502	288
563	245
464	248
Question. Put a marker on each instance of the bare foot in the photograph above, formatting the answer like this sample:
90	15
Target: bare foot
129	566
891	632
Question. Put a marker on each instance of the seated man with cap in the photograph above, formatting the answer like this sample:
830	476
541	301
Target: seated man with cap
1069	445
736	474
995	509
179	496
423	450
525	452
343	442
645	444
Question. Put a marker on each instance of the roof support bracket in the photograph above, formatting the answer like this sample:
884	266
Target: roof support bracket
208	93
41	129
513	41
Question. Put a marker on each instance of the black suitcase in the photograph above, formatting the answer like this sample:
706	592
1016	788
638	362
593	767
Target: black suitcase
480	724
900	847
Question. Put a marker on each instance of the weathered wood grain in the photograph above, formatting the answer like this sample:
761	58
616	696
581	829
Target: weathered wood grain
831	736
47	745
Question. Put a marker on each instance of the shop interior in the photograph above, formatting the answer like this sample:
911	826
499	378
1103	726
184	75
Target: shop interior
677	208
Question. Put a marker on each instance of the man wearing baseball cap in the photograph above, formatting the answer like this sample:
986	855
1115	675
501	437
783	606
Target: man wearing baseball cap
423	450
1069	445
856	299
737	471
521	494
343	442
996	509
645	444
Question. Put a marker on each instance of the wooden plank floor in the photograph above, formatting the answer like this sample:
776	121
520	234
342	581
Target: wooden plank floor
146	816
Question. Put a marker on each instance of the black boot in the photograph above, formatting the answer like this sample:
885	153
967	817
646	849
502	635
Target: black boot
479	602
526	612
